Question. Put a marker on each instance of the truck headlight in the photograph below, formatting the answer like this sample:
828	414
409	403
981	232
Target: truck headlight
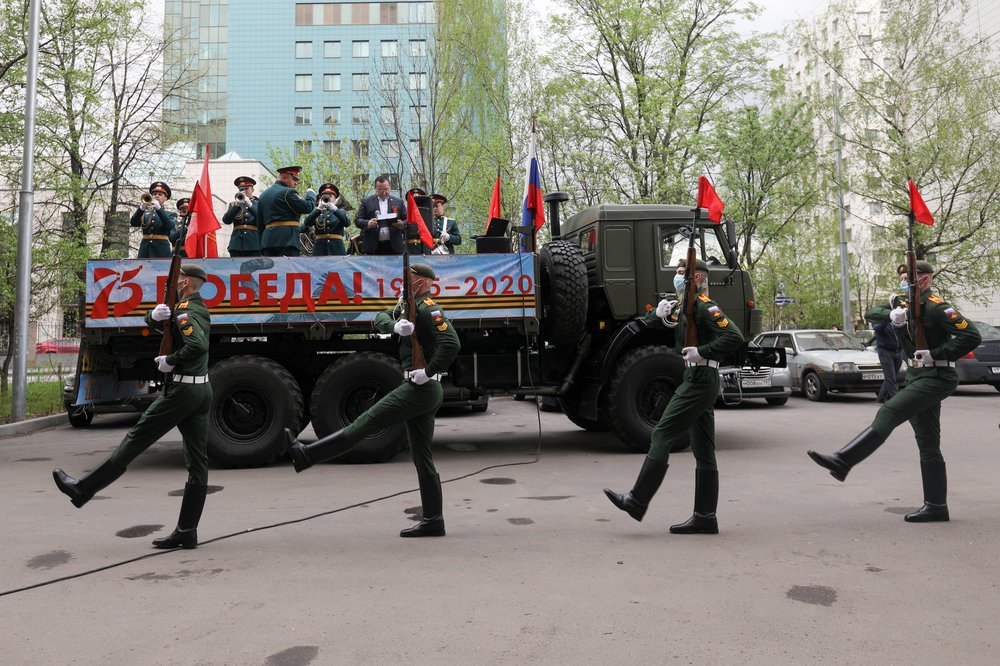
845	367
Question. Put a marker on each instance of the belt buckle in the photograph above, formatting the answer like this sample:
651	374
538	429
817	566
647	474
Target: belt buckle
914	363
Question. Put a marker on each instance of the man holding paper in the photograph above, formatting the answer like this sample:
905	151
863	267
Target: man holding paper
380	218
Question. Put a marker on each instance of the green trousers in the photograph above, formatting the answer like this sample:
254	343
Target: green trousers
415	406
919	402
689	417
184	406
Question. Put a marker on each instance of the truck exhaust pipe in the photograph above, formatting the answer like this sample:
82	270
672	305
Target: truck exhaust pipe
553	199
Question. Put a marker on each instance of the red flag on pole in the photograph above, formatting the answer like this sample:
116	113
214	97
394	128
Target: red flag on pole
707	198
921	213
495	201
201	241
425	234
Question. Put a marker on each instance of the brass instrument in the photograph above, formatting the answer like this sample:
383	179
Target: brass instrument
242	200
343	204
307	239
147	200
326	200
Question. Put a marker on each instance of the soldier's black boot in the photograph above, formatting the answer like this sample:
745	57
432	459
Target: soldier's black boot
706	501
935	508
80	491
432	524
186	533
859	448
305	456
636	501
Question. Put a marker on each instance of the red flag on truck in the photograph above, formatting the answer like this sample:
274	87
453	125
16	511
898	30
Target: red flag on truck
707	198
495	201
418	219
921	213
200	241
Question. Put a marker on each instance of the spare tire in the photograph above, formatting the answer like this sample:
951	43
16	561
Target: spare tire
349	387
253	400
563	289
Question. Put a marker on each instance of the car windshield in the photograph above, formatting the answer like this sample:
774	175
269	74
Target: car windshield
988	332
826	340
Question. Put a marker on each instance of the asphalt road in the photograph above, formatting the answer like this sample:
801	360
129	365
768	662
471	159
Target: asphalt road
537	567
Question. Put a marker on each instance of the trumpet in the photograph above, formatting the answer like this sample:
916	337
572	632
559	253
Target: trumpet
242	200
147	200
327	201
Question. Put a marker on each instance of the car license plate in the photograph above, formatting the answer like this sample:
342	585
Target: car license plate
756	383
995	369
872	376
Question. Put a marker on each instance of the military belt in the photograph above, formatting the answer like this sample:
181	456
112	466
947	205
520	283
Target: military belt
154	237
408	374
190	379
247	227
330	236
283	223
709	362
914	363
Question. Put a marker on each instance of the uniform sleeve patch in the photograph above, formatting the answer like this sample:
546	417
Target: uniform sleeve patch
704	298
714	311
934	298
443	326
188	331
723	323
950	312
962	325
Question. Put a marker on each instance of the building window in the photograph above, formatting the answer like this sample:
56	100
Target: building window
418	48
303	83
359	115
866	65
331	82
303	50
389	48
302	148
419	114
389	80
418	80
359	147
359	49
862	18
331	49
865	40
331	147
387	114
874	208
390	150
303	116
388	13
360	81
418	12
331	115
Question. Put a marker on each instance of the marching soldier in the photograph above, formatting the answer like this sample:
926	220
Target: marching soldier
156	223
280	207
444	229
930	379
330	222
415	401
690	414
179	234
243	214
184	404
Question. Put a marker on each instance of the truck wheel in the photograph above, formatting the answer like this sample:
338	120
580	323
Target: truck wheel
253	400
563	291
639	391
80	417
349	387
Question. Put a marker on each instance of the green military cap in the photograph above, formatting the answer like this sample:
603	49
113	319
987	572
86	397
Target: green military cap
699	264
922	267
194	270
423	270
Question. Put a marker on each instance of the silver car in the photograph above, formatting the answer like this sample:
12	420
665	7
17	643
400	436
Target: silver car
820	361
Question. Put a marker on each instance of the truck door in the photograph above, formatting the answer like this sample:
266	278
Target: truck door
619	269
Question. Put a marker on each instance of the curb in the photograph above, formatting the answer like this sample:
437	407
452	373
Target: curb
31	425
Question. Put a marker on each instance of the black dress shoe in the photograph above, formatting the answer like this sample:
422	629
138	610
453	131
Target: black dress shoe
430	527
178	539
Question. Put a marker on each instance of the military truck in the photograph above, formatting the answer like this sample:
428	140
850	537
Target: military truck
292	339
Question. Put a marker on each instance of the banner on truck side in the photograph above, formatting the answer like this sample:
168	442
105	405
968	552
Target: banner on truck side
267	290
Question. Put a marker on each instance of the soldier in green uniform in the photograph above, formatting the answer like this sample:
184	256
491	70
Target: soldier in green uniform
690	414
330	222
280	208
930	379
414	402
444	229
156	223
179	234
243	214
184	404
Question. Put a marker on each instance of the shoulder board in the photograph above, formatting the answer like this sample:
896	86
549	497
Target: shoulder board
182	305
704	297
934	298
428	301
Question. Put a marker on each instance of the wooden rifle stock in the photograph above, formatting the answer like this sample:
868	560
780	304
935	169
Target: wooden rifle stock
691	291
170	298
919	337
416	350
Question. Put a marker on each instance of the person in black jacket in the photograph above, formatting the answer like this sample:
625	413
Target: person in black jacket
376	237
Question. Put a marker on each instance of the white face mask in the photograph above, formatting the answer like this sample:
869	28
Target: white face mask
904	285
678	283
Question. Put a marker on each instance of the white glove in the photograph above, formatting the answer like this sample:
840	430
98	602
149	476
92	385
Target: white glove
445	237
924	357
898	317
665	307
419	377
311	191
160	313
156	204
161	363
403	327
691	355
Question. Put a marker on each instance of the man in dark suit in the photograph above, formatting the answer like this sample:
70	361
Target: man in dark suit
376	237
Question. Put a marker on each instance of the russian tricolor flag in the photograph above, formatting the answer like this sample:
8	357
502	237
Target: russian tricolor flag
533	211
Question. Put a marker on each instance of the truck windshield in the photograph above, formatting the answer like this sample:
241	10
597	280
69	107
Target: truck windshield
674	245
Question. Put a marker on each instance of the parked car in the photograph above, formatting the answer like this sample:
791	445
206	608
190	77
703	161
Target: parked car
982	364
58	346
820	361
737	384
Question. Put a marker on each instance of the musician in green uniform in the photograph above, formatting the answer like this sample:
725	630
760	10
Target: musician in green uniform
280	208
330	222
242	214
156	223
690	414
184	404
930	379
414	402
444	229
179	234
